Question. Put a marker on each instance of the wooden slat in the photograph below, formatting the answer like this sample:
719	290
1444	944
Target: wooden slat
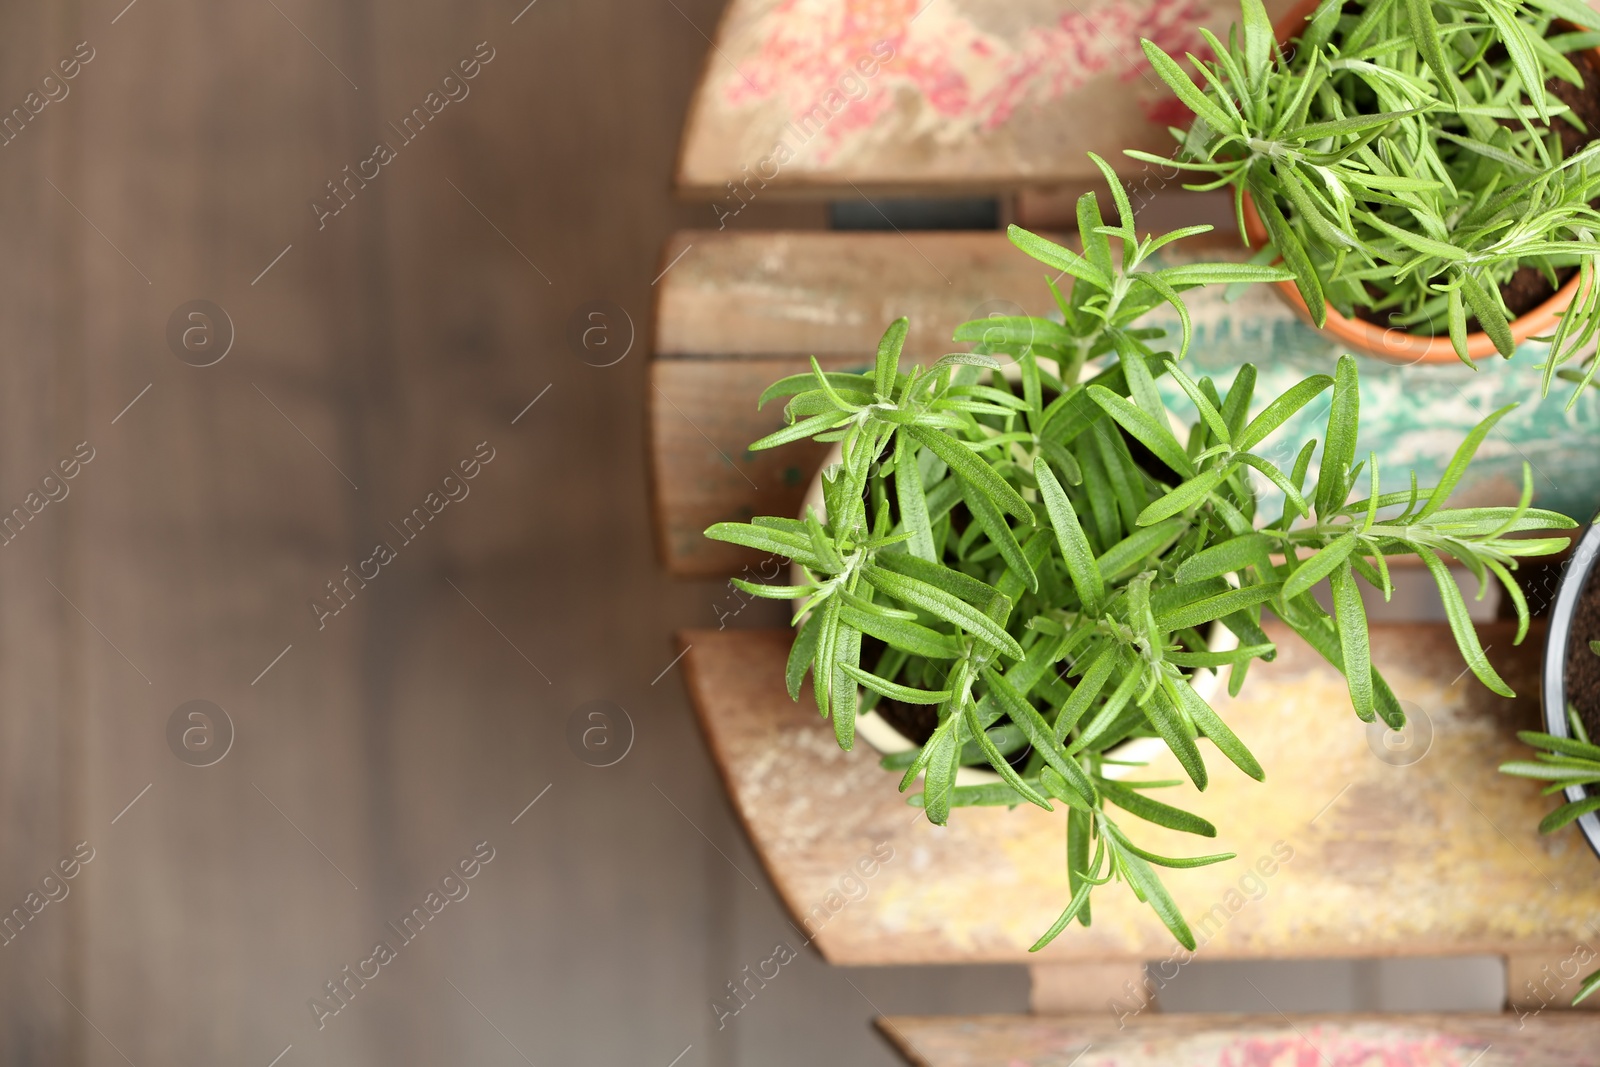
761	294
963	94
772	299
1340	853
1395	1040
702	415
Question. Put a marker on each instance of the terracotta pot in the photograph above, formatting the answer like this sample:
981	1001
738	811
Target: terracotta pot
1392	342
1395	344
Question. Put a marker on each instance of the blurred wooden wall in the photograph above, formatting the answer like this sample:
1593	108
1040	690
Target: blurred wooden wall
375	354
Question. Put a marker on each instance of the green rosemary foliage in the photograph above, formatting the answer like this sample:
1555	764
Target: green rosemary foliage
1042	559
1405	157
1563	762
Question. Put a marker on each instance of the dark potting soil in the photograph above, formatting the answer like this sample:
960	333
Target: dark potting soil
1584	102
1528	287
1583	665
916	721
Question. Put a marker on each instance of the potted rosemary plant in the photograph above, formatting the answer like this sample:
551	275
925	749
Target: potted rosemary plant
1425	169
1040	562
1567	758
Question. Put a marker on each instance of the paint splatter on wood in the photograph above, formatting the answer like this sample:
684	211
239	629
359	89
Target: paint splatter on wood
840	69
846	95
1431	1040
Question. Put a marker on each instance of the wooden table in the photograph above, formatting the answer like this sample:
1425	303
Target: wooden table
1343	851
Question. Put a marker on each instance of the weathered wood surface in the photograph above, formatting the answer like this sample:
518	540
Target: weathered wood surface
846	97
795	293
702	416
1396	1040
1340	853
768	301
